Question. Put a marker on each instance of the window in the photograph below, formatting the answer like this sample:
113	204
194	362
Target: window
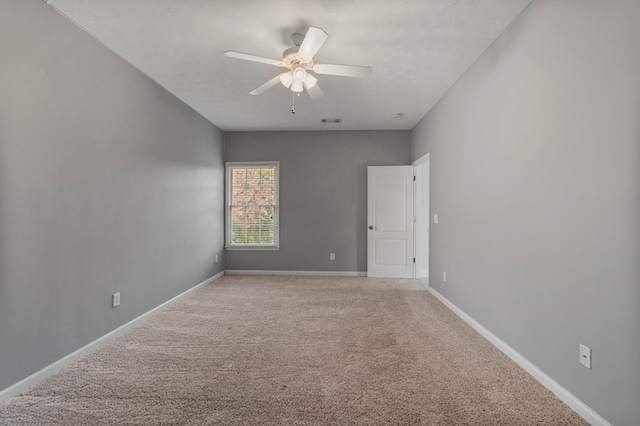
252	205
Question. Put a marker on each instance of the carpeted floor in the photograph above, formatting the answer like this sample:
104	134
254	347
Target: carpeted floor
250	350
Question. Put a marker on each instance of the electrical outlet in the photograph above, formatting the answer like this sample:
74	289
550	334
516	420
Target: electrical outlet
435	218
216	258
115	299
444	276
585	356
332	256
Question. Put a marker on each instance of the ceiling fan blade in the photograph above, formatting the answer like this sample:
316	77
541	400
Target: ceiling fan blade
315	92
266	86
312	42
343	70
254	58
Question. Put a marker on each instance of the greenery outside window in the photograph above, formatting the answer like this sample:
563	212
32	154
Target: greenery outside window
252	205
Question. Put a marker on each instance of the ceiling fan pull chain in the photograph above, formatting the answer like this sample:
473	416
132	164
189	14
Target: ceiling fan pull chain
293	103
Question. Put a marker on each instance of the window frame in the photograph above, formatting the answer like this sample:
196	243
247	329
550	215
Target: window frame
229	245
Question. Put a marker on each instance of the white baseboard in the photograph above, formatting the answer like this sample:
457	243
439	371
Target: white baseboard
311	273
51	369
563	394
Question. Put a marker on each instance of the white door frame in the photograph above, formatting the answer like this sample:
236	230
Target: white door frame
422	187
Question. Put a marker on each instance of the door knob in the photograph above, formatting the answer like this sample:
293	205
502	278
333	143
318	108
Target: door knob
370	227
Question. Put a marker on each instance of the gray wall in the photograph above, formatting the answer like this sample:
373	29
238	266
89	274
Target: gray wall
107	183
323	194
535	171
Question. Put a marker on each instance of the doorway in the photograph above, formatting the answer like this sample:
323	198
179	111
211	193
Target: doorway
399	220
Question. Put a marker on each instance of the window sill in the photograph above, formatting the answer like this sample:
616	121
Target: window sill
252	248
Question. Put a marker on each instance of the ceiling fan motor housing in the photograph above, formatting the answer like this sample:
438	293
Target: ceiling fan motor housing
290	58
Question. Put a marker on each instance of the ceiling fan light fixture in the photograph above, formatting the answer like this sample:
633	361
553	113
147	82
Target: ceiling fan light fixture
310	81
296	86
286	79
299	75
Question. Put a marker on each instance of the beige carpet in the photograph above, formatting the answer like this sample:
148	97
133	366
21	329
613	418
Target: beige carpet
295	351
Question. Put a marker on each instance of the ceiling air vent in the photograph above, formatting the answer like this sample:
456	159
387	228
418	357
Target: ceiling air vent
331	120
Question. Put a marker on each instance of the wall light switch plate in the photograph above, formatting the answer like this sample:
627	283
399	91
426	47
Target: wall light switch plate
585	356
115	299
435	218
444	276
332	256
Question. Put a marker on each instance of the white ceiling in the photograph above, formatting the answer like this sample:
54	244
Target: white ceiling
417	49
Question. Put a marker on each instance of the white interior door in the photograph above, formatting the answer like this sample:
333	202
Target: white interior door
390	221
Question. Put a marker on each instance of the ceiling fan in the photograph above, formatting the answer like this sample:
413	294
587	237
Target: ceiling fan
299	61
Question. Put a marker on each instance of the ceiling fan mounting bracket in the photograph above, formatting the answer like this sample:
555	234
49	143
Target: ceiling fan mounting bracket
297	39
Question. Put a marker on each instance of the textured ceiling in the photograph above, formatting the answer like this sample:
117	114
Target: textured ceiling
417	49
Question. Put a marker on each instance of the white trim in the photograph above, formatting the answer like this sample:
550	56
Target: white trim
565	396
423	282
422	159
422	190
252	247
53	368
305	273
